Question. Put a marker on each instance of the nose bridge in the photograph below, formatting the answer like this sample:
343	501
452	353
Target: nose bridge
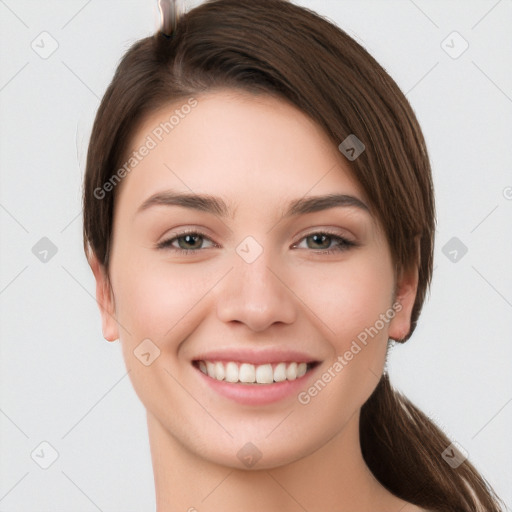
253	292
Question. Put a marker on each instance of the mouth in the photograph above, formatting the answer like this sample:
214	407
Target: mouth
254	384
246	373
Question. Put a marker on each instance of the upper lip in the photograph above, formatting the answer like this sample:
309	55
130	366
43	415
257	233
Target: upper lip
256	356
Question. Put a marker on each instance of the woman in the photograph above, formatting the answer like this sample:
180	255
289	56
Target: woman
259	217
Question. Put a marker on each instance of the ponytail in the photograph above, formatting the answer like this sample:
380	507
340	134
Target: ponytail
403	447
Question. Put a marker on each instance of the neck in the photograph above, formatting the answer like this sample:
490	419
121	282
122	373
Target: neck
334	477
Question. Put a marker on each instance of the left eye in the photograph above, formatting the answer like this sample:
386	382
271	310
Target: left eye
321	238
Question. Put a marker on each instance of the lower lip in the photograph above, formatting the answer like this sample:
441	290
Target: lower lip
257	394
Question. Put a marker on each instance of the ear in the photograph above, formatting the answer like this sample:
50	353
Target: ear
105	299
405	296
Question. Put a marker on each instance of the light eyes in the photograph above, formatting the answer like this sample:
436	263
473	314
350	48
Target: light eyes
191	242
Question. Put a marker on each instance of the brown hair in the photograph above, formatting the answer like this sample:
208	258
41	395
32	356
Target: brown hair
275	47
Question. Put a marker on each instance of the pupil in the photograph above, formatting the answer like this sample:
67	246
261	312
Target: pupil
316	237
189	239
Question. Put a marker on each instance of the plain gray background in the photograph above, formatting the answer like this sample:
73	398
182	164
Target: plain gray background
62	384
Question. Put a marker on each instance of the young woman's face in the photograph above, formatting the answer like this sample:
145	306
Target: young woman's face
255	281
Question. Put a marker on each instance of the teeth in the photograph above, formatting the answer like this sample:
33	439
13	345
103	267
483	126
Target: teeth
220	372
231	372
249	373
302	368
280	372
210	368
264	374
291	371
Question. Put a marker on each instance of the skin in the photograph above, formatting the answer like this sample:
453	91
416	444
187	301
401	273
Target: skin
257	153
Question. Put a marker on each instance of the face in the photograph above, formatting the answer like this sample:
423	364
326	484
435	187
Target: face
258	275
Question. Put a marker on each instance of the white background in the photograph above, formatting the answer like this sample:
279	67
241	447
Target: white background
63	384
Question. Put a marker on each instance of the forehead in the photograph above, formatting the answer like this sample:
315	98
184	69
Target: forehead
227	142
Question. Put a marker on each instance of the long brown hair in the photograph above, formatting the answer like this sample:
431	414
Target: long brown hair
275	47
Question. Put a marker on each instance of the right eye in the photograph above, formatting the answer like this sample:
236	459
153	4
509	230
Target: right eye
193	238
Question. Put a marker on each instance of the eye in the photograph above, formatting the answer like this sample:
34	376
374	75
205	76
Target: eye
192	242
188	242
325	239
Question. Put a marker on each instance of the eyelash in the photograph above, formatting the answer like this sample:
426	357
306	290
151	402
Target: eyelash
343	243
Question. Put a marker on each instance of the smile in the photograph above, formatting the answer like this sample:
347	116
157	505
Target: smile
247	373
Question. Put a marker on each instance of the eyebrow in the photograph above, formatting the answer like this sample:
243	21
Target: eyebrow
217	206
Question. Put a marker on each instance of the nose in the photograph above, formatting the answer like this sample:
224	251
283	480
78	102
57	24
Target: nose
256	294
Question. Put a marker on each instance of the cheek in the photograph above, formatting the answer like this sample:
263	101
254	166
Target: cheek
155	301
347	297
352	302
160	300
